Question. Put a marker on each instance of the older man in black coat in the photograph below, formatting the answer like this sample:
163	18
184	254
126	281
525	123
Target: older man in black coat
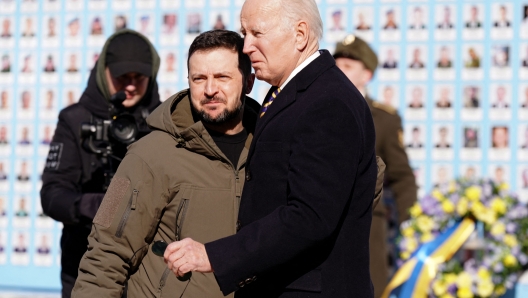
306	207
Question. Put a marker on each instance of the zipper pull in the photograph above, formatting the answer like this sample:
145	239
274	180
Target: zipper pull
134	199
238	190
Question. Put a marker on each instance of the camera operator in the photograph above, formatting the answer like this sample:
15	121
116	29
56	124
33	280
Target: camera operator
78	168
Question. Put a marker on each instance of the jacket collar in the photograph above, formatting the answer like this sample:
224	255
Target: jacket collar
175	117
299	83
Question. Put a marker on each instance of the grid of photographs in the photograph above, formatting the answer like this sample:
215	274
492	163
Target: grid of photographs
456	71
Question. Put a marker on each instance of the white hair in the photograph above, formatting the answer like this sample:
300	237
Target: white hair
296	10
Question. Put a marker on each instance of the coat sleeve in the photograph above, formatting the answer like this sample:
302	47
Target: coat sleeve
400	177
320	181
122	230
61	195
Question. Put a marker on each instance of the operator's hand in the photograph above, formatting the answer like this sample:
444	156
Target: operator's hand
185	256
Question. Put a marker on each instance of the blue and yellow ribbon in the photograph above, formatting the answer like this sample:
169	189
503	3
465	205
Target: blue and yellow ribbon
413	278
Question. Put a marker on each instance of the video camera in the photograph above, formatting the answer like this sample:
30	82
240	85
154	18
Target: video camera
121	129
108	138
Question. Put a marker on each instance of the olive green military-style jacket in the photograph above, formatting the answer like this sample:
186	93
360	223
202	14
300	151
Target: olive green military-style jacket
389	146
172	184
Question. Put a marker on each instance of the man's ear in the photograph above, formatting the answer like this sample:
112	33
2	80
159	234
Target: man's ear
301	35
367	76
250	81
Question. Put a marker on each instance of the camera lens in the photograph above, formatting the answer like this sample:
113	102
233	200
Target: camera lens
124	129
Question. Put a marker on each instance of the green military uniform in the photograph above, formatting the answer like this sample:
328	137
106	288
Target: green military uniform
398	174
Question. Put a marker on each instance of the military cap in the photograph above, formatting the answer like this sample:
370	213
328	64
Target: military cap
355	48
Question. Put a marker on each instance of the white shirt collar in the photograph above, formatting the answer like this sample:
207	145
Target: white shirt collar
299	68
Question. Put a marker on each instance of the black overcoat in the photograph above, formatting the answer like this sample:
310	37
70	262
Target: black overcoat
306	205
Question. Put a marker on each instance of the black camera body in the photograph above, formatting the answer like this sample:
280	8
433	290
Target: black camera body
108	138
120	129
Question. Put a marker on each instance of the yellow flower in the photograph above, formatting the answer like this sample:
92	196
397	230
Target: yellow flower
484	274
485	288
509	261
484	214
477	207
439	287
425	223
408	232
426	237
510	240
498	205
437	194
412	244
473	193
452	186
447	295
498	229
464	293
415	210
450	278
448	206
405	255
462	206
504	186
490	217
464	280
500	290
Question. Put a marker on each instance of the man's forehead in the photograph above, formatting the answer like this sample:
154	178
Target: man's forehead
224	60
256	11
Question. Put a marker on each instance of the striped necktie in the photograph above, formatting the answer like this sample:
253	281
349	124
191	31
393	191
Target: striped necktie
270	101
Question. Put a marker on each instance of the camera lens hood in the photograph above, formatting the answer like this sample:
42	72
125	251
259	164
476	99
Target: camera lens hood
123	128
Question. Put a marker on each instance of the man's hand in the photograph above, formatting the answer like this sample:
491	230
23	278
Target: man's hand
185	256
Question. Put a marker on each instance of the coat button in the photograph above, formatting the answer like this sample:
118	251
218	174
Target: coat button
248	175
238	225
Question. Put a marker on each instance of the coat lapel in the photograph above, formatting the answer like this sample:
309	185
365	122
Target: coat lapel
288	96
285	98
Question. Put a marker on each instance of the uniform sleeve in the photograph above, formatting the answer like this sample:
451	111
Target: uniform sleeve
316	201
61	196
399	174
122	230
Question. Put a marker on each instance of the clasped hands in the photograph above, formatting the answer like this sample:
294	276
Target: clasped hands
185	256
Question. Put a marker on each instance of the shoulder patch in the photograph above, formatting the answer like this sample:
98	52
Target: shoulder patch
384	107
54	156
115	193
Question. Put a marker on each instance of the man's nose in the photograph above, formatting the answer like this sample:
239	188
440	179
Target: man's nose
248	45
210	87
131	83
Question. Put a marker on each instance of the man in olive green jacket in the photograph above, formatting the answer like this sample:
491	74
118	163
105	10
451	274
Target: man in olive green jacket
182	180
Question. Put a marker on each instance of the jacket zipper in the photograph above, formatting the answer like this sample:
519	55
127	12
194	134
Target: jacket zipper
180	217
163	279
236	170
130	206
180	214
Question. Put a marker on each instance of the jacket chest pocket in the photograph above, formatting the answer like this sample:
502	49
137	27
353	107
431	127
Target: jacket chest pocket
205	214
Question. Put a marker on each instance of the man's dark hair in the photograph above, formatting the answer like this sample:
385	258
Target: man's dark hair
226	39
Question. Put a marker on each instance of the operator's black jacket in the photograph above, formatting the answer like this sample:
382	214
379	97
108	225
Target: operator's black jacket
73	178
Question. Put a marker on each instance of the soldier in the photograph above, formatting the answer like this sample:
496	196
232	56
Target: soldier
358	61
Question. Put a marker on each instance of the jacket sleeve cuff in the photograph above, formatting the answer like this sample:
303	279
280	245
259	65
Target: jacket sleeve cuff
218	260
